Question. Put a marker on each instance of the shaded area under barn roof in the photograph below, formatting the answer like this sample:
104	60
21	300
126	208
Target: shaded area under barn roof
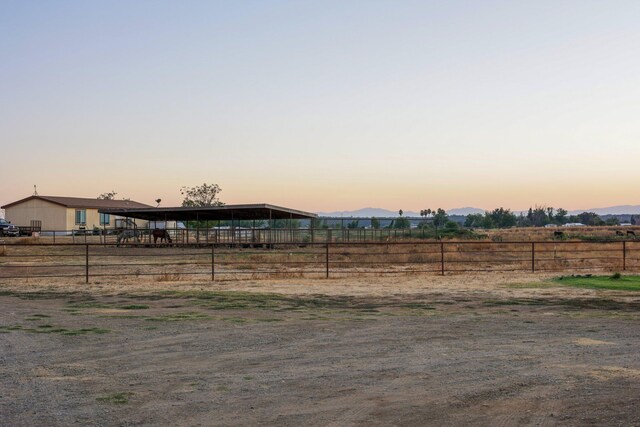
212	213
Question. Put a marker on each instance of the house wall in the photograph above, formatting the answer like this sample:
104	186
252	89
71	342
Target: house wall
93	220
53	216
56	217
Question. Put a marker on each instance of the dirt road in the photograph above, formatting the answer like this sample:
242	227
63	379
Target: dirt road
503	355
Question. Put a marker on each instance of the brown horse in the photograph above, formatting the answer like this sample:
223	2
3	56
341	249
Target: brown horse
162	235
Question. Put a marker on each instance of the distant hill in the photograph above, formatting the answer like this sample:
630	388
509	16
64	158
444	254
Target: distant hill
465	211
611	210
367	212
381	213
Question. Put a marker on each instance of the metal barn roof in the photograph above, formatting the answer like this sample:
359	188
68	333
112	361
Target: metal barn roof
212	213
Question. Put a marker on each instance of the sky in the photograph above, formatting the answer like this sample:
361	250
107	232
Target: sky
324	105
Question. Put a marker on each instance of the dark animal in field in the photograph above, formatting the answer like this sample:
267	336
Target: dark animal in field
558	234
163	235
125	235
619	233
631	233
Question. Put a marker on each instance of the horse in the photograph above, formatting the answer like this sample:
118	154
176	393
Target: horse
125	235
631	233
558	234
619	233
163	235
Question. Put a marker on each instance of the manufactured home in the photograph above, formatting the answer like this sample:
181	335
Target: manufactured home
53	213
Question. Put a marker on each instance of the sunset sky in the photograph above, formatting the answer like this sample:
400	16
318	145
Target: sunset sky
324	105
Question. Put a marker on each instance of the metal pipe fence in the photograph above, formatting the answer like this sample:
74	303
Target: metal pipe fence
266	236
241	235
217	261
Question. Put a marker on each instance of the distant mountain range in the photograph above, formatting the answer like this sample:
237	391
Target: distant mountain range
380	213
611	210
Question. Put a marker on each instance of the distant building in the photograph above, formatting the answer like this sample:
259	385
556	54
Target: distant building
574	224
53	213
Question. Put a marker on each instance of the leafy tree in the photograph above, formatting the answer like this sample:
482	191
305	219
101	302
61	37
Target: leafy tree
539	216
400	212
561	216
111	195
590	218
201	196
353	224
573	218
612	221
502	218
424	213
474	220
633	220
523	221
451	226
286	223
402	222
375	222
440	218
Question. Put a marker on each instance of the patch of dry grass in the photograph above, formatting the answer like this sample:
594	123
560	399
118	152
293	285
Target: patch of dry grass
167	276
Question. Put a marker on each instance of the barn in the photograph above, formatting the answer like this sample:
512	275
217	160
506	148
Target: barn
54	213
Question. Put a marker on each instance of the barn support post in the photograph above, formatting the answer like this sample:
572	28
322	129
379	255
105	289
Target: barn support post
327	260
624	255
197	228
86	263
533	257
233	229
442	258
213	262
54	236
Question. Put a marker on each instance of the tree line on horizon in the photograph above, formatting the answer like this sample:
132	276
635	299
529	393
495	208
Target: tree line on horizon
538	216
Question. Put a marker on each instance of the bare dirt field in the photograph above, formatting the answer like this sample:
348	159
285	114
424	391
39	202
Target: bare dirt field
492	349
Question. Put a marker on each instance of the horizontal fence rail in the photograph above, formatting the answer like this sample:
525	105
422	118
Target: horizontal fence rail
266	236
169	262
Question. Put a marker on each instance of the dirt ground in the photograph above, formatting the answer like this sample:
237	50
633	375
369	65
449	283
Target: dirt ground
491	349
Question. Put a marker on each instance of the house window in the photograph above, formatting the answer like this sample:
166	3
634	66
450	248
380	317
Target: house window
81	216
105	219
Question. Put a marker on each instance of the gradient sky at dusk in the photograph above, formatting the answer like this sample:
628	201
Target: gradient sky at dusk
324	105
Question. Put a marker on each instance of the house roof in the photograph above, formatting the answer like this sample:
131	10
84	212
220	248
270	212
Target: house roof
82	202
227	212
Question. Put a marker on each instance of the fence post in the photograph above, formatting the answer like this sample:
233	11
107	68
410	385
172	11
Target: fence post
213	262
624	255
327	260
442	258
86	263
533	257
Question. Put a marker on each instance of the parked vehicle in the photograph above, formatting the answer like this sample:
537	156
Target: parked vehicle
8	229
